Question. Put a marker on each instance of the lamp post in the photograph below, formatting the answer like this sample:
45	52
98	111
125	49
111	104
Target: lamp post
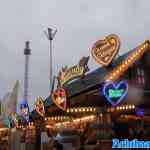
50	36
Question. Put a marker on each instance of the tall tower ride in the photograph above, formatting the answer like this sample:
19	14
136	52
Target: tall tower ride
24	107
27	53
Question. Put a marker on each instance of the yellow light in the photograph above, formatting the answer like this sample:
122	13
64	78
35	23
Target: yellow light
91	109
117	71
67	110
117	108
141	49
114	74
83	109
137	53
109	78
144	46
130	106
76	110
48	126
45	119
123	107
133	57
126	62
129	60
71	110
123	65
126	107
133	106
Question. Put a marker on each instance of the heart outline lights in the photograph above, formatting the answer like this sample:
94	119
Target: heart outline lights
115	92
59	97
39	106
104	51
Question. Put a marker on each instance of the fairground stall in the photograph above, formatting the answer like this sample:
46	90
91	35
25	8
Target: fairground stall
111	101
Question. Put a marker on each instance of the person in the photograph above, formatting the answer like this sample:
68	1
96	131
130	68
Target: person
81	148
57	145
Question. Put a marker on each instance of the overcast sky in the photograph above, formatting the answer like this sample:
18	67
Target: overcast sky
79	22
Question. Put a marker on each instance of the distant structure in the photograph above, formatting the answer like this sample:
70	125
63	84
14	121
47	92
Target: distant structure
9	104
27	53
9	101
24	104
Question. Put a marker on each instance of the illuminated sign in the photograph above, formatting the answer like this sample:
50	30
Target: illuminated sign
72	73
14	119
39	106
68	74
105	50
140	112
115	93
60	99
24	110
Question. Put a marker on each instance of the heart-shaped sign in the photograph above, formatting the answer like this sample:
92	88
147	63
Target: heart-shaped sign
115	93
59	97
39	106
105	50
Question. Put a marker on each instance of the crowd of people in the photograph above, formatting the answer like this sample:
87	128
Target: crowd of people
86	136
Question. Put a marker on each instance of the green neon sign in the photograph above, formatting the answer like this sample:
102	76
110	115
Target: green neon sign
115	93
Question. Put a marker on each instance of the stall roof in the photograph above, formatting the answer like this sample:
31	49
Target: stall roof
91	79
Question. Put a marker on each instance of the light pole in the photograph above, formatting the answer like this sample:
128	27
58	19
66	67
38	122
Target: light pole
50	36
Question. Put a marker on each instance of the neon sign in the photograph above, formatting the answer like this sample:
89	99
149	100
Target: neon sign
115	92
105	50
24	110
72	73
67	74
